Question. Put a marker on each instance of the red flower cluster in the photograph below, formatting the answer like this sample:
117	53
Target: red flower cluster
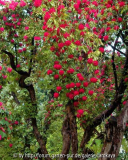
94	80
70	71
37	3
79	113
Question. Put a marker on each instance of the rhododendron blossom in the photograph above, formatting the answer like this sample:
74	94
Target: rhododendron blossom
37	38
37	3
0	68
1	104
56	95
90	92
22	3
49	72
1	29
9	70
47	16
94	80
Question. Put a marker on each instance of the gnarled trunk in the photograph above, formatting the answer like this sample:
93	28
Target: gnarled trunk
69	132
114	135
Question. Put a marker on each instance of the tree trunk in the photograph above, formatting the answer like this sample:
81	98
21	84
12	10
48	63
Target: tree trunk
66	138
36	132
86	137
39	139
114	135
69	132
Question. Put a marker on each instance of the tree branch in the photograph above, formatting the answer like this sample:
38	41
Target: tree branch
113	63
116	49
15	98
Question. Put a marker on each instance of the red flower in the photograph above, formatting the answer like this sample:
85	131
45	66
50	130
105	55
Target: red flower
79	75
84	98
0	68
90	60
78	115
70	71
37	38
46	34
0	87
80	111
72	85
9	70
68	43
81	26
90	92
95	63
78	43
120	19
68	86
60	45
12	40
85	84
76	93
76	6
61	72
1	29
71	96
10	145
121	4
57	66
25	37
22	3
1	104
70	56
94	80
96	71
101	49
124	102
52	10
81	78
18	65
56	95
66	35
76	103
78	84
58	88
49	72
126	79
95	3
37	3
56	76
108	28
81	90
16	122
47	16
105	38
116	27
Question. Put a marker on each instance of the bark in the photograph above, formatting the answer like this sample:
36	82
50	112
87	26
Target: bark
39	139
66	137
69	132
36	132
86	137
114	134
15	98
27	144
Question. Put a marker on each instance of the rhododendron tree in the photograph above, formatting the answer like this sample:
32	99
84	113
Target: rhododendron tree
76	52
